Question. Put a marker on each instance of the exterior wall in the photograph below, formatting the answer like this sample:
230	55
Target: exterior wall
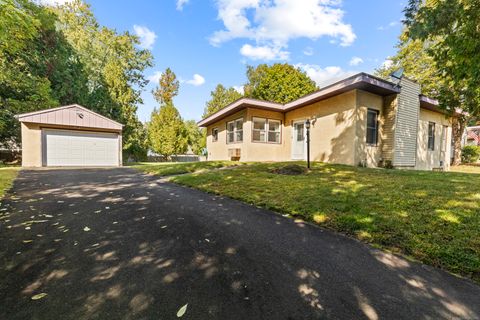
31	145
365	154
218	150
406	124
332	133
388	132
430	159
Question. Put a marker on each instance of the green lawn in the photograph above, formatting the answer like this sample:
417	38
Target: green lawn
431	216
7	174
466	169
174	168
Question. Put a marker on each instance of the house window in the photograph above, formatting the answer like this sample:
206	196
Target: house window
235	131
372	127
431	136
266	130
259	129
214	134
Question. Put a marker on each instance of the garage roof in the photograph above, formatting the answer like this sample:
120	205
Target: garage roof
72	115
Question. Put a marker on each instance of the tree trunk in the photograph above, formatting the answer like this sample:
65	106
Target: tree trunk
458	127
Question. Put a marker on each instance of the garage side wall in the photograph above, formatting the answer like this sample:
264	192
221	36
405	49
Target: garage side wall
31	145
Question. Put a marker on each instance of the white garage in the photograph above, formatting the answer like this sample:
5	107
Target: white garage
70	136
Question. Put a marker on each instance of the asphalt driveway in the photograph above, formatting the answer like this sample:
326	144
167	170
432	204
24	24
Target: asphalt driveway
117	244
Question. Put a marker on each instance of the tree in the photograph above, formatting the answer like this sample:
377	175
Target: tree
167	88
281	83
196	137
451	30
166	132
220	98
113	67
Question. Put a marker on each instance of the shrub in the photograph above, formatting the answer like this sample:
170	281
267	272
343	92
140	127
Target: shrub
470	154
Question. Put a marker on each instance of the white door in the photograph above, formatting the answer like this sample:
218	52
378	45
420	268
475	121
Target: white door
77	148
298	141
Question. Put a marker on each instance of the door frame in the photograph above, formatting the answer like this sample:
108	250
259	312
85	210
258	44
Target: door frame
293	136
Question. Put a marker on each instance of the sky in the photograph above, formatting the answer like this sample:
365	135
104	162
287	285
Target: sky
207	42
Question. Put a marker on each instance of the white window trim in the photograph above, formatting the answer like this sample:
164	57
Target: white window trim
235	131
266	130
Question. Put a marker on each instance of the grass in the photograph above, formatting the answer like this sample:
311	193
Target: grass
433	217
7	175
174	168
466	169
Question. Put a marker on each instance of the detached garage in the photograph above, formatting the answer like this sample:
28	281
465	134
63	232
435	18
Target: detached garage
70	136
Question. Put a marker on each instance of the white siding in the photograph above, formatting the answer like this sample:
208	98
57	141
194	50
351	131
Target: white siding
406	124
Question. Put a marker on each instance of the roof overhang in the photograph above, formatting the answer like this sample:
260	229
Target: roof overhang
360	81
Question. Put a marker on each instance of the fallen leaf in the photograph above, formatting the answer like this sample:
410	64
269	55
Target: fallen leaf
27	241
86	229
182	311
39	296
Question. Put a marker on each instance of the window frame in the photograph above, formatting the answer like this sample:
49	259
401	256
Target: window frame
431	125
376	128
215	137
235	131
266	130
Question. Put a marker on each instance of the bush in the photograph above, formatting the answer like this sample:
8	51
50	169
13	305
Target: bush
470	154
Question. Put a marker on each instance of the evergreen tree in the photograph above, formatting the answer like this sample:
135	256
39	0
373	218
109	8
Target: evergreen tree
220	98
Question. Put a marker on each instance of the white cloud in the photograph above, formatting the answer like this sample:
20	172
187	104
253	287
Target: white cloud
388	26
147	36
239	89
273	23
264	53
308	51
355	61
181	4
53	3
324	76
196	81
387	63
155	78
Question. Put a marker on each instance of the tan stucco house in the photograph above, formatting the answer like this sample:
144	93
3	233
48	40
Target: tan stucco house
361	120
70	136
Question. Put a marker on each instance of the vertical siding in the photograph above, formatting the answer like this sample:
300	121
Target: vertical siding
388	134
406	125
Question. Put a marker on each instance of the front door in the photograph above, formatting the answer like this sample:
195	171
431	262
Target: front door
298	141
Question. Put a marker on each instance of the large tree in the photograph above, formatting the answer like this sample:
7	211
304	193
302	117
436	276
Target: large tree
449	30
196	137
166	131
281	83
220	98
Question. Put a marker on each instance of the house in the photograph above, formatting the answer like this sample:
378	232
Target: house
361	120
70	136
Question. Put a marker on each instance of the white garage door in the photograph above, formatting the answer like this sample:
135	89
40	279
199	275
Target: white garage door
76	148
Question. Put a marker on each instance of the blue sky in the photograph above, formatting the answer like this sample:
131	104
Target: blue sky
206	42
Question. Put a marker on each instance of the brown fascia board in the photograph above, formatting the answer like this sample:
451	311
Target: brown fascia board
433	105
362	81
239	105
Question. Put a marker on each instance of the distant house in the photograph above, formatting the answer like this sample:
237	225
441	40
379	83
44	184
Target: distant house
361	120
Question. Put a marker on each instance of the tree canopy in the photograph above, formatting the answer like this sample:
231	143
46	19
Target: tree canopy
439	48
167	88
220	98
281	83
52	56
